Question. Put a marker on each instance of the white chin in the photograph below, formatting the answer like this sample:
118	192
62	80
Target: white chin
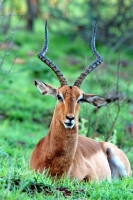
69	127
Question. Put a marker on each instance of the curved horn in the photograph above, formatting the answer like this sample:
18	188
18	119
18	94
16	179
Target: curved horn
97	62
42	57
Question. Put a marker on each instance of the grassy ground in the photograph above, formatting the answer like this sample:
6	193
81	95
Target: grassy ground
25	114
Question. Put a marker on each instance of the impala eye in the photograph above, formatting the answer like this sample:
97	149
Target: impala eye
59	98
81	100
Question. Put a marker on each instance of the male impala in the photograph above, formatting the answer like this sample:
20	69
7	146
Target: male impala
62	150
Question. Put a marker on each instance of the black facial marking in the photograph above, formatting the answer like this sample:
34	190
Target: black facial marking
59	98
70	87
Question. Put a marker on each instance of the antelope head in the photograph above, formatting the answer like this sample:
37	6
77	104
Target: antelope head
69	98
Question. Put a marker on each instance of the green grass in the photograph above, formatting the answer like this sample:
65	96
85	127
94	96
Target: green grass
17	182
25	114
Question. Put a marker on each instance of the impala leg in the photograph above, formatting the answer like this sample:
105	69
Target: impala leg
118	169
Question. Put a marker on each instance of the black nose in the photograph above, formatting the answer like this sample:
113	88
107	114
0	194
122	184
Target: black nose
70	118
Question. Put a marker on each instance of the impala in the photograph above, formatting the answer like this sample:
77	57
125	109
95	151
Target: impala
63	150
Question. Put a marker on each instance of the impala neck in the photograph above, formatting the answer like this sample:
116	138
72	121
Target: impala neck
61	138
61	148
61	135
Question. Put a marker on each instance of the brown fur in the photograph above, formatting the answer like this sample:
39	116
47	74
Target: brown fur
62	150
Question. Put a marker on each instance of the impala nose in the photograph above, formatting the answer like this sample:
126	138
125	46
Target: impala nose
69	123
69	117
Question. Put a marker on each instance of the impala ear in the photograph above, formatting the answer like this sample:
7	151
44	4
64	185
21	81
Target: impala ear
96	100
45	88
